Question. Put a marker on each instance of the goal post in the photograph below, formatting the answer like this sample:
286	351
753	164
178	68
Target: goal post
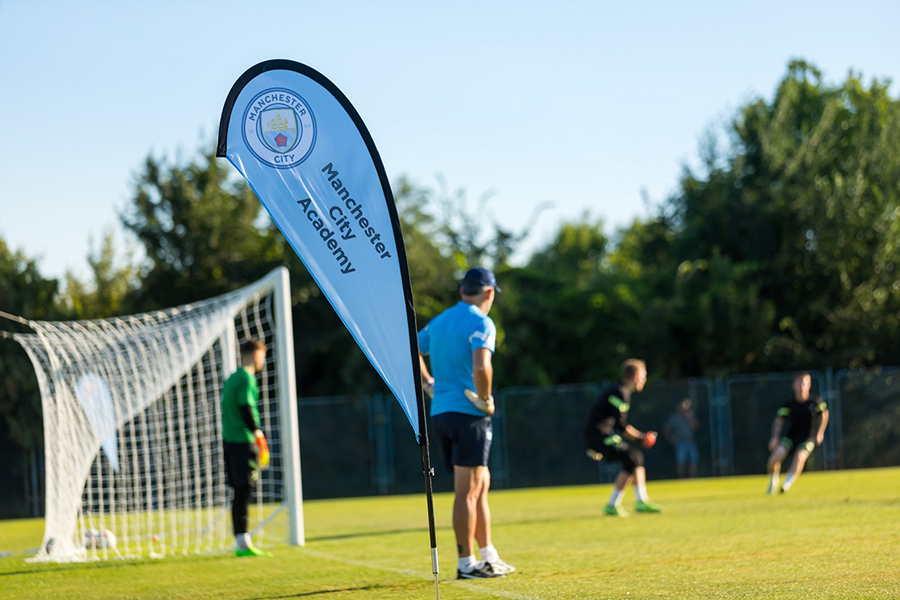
287	386
132	426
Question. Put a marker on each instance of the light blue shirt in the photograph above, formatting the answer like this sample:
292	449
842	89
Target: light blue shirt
450	338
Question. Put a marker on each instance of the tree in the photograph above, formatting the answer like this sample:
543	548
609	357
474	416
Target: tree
203	233
797	220
111	287
567	317
432	265
23	291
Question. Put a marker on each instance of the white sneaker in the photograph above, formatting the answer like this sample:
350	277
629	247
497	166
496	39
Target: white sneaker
480	570
501	566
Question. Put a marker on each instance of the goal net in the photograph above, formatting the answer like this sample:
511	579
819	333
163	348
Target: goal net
132	427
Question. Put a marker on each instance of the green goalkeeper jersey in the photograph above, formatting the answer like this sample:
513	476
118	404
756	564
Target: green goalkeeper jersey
240	390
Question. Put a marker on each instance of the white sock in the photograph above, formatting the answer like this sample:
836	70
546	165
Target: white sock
641	492
788	482
489	553
243	541
773	482
466	563
616	498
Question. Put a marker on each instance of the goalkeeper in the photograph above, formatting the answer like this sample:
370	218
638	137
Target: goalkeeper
244	444
604	433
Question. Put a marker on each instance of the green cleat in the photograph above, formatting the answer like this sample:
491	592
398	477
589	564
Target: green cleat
614	511
251	552
647	507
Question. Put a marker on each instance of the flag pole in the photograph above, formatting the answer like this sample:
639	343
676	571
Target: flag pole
429	492
283	192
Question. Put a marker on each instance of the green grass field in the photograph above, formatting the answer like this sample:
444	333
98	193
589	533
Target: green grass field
834	535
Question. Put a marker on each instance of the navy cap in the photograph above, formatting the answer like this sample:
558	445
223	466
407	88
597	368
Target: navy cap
482	277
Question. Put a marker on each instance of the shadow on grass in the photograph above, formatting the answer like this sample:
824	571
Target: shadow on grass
359	588
363	534
108	564
495	522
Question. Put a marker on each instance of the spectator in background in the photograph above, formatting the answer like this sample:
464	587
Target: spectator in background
679	430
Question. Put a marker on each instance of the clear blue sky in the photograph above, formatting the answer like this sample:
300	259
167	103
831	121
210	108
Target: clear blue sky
583	104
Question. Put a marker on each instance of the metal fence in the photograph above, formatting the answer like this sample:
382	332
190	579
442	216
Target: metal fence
363	444
537	432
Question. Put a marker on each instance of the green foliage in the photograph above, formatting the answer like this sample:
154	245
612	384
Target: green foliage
475	236
203	234
564	312
112	283
783	253
23	291
432	266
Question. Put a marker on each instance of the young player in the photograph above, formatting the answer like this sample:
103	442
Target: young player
807	418
460	342
245	447
603	435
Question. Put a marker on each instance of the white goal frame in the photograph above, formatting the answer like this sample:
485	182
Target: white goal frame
74	436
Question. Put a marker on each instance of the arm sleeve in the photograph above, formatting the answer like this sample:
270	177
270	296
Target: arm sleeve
622	420
246	402
784	412
424	341
619	410
248	417
485	336
821	406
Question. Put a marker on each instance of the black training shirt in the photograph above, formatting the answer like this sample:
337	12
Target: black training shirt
610	414
802	415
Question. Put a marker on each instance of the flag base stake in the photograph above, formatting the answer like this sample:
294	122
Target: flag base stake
429	494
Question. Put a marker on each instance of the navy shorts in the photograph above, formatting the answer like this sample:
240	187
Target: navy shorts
686	453
465	440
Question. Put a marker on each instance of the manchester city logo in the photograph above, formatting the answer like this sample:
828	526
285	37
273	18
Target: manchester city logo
279	128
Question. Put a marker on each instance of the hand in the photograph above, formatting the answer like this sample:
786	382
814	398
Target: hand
485	406
428	387
263	446
648	439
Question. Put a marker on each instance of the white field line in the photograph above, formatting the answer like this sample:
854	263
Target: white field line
418	574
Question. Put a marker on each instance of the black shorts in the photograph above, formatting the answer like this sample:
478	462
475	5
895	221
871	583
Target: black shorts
794	442
241	464
614	449
465	440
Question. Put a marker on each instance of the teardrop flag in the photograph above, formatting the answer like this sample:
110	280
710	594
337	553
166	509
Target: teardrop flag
309	158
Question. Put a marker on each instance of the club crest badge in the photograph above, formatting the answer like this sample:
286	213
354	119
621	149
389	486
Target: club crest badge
279	128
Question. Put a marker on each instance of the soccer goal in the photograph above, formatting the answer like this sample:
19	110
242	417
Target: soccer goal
133	449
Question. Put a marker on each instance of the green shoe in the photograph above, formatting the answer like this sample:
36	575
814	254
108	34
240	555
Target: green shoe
614	511
647	507
251	552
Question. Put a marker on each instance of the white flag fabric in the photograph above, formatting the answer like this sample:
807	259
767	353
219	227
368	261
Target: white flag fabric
308	156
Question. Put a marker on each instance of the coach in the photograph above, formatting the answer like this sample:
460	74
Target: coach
460	342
